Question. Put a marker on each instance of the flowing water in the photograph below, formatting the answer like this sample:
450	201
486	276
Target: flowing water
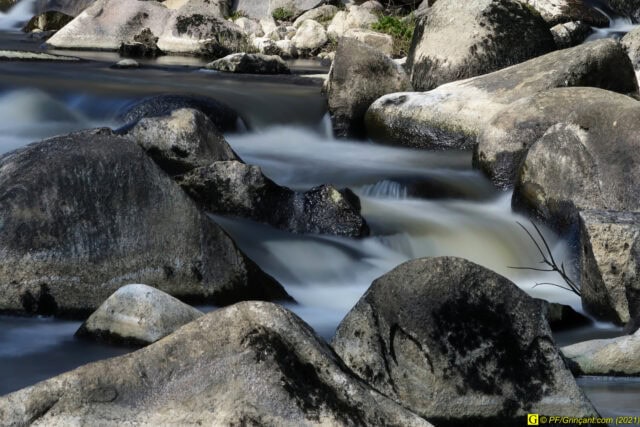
417	203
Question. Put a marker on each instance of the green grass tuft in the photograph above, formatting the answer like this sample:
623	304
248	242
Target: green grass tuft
401	29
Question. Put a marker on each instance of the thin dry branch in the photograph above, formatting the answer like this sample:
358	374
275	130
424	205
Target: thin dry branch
549	261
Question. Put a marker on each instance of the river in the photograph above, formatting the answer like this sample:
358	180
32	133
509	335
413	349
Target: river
418	203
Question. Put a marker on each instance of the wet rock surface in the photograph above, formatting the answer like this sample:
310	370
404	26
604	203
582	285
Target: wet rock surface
234	188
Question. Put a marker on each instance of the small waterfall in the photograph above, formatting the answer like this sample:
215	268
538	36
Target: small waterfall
18	15
618	27
326	127
385	189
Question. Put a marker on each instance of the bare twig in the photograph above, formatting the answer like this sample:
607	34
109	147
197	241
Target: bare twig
549	261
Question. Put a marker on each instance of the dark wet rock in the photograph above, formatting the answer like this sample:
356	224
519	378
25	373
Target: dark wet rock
6	5
143	45
222	116
459	345
590	163
626	8
359	75
85	213
234	188
182	141
250	63
249	364
454	115
47	21
456	40
562	317
508	137
610	264
570	34
68	7
137	315
615	356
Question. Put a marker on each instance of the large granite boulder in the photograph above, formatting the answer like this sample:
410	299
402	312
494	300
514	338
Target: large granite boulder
610	264
196	27
233	188
456	40
614	356
454	115
459	345
592	162
506	140
137	315
249	364
359	75
85	213
631	43
184	140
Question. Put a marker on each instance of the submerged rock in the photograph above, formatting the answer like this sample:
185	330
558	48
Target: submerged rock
359	75
615	356
126	64
222	116
610	264
249	364
106	215
454	115
250	63
456	40
19	55
182	141
234	188
458	344
138	315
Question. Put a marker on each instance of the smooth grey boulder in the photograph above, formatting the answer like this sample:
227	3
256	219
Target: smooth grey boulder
195	27
233	188
454	115
184	140
506	139
265	8
591	163
610	264
556	12
615	356
459	345
85	213
320	14
250	63
310	36
137	315
250	364
359	75
455	41
222	116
